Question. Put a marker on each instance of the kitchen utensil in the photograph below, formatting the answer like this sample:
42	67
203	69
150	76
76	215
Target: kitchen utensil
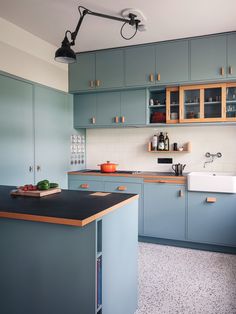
108	167
178	169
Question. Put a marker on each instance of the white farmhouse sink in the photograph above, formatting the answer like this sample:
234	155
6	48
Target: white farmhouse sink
222	182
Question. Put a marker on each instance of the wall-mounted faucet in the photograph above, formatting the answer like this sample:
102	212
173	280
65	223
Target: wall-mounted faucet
213	156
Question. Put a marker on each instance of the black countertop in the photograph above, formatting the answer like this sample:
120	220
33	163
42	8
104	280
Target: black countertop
81	206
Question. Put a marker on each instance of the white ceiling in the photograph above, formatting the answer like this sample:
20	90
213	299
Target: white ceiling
166	19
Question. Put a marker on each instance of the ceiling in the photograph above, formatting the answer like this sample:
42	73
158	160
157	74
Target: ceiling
166	19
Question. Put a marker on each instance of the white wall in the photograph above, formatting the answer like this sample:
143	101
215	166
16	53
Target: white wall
27	56
128	148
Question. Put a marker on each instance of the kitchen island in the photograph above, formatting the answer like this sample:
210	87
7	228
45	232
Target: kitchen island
71	252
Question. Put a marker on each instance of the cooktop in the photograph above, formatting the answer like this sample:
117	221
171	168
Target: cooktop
118	171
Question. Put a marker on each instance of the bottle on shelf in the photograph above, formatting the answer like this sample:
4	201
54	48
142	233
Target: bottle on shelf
161	142
166	143
154	142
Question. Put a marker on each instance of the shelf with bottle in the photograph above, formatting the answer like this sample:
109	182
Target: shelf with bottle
185	148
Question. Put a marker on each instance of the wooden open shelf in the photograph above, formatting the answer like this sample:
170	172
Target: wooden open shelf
187	149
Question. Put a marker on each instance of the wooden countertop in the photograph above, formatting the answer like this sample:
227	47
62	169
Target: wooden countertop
74	208
139	174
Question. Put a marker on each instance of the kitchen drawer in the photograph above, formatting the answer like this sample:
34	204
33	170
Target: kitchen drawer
86	185
123	187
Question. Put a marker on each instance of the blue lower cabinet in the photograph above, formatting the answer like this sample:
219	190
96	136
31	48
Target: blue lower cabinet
165	211
126	187
86	185
212	218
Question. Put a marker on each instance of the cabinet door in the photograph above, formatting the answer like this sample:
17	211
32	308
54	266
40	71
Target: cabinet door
164	211
140	66
213	223
133	107
86	185
132	188
84	110
52	135
208	58
110	68
82	73
16	132
108	108
231	48
172	62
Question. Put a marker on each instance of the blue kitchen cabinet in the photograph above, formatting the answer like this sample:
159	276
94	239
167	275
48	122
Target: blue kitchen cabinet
108	108
109	69
53	112
122	186
231	50
172	60
84	110
85	183
16	131
212	218
133	107
208	58
140	66
165	211
82	73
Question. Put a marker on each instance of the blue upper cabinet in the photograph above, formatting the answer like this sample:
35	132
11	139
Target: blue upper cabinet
172	59
98	70
84	110
133	107
231	48
109	69
140	66
208	58
108	108
82	73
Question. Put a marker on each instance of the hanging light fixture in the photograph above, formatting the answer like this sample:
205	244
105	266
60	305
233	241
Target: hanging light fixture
66	55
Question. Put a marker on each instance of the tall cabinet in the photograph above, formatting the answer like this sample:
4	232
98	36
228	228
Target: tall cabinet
35	127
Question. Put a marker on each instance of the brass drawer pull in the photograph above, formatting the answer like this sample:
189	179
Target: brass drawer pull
181	193
91	84
230	70
158	77
122	119
97	83
116	119
151	77
211	199
122	188
93	120
84	186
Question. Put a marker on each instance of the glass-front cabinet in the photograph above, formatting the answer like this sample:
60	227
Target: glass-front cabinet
230	107
172	105
202	103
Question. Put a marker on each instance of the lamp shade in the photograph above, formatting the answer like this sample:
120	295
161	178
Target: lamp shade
65	54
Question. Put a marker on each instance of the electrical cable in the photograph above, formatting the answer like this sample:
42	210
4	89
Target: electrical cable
128	38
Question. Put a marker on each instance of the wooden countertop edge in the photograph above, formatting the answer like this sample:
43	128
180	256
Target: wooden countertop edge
184	178
65	221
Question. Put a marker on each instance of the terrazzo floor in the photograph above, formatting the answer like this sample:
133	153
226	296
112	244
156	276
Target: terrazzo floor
183	281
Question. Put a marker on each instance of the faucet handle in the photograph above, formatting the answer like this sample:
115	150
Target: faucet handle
207	155
219	155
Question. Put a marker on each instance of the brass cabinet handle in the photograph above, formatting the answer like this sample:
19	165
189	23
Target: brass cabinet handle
116	119
151	77
91	84
158	77
181	193
93	120
211	199
122	119
97	83
222	71
84	186
230	70
122	188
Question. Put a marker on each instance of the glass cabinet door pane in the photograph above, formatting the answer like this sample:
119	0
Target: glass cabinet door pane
157	106
174	105
192	104
212	103
231	102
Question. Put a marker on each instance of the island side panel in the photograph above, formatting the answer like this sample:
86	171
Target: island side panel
119	260
47	268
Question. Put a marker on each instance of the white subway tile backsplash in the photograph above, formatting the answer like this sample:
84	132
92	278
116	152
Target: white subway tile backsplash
128	147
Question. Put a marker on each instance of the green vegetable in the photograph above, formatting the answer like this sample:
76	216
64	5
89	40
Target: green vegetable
53	185
43	186
42	182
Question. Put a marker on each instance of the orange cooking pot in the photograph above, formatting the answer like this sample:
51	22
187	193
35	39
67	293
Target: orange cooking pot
108	167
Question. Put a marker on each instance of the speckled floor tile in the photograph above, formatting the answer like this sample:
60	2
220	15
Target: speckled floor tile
183	281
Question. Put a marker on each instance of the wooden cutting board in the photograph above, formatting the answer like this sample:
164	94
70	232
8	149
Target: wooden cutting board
37	193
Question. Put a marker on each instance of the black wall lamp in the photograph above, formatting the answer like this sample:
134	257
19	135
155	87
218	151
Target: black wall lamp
66	55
